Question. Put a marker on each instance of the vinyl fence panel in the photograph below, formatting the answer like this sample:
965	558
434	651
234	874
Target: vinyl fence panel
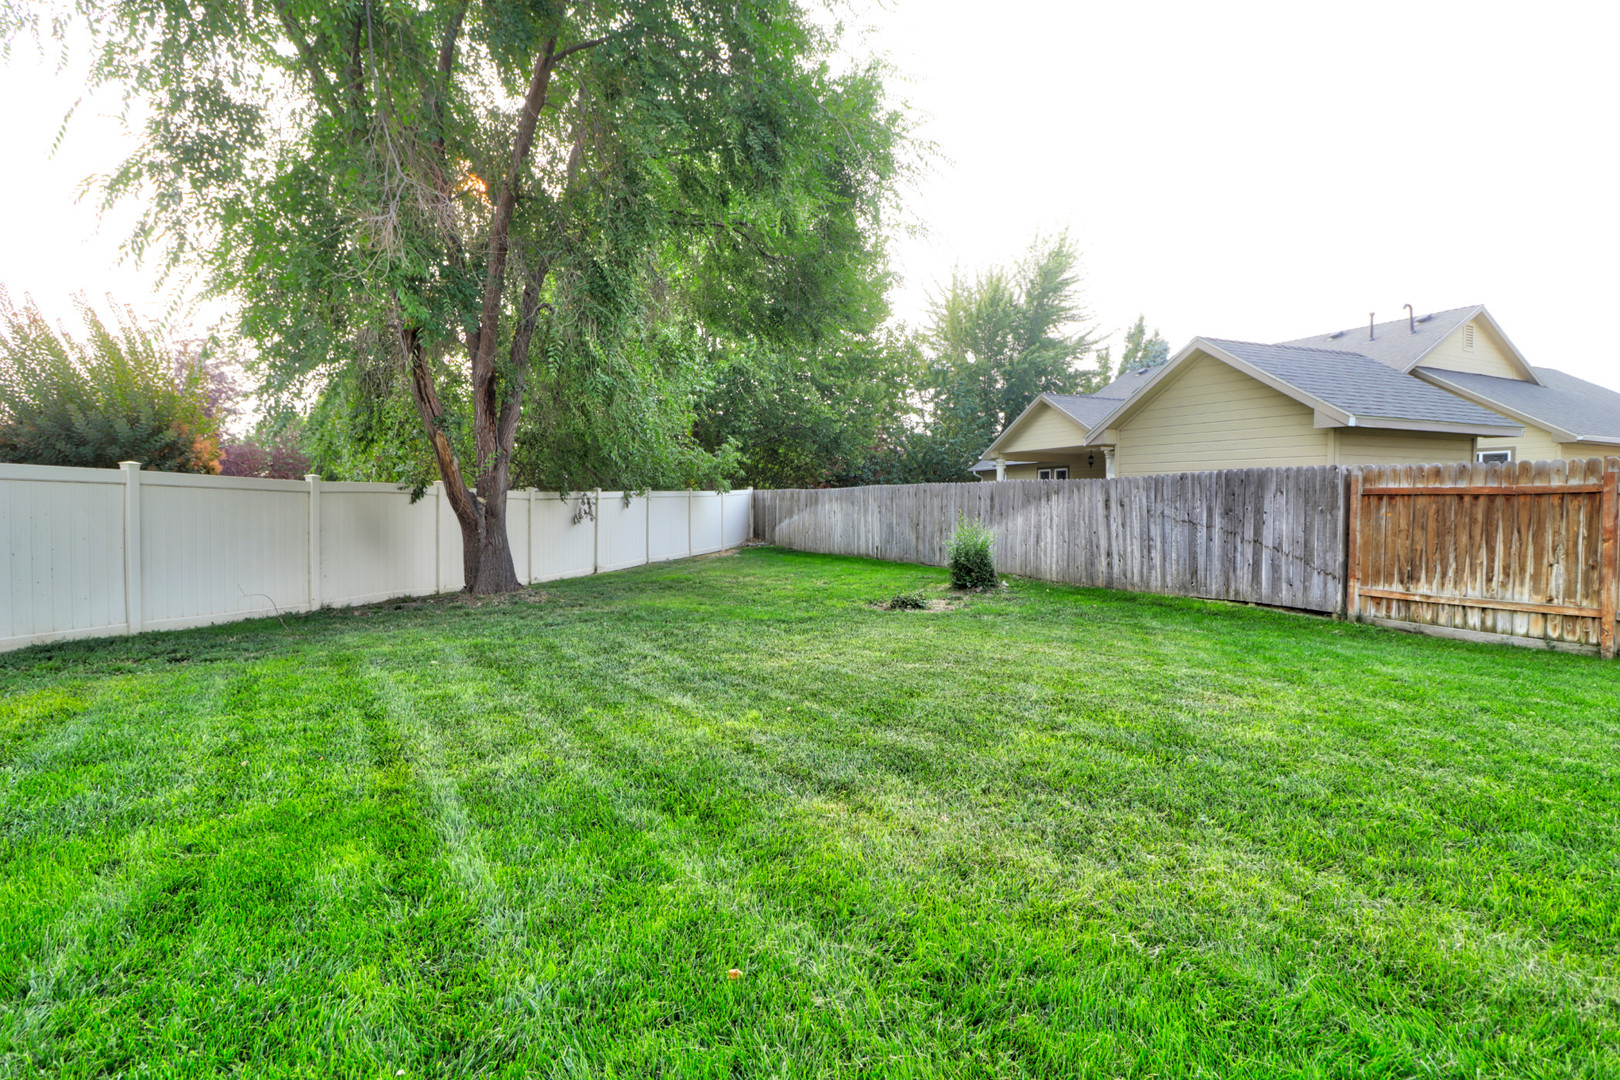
621	536
91	552
735	517
376	545
707	535
62	567
220	548
669	525
564	532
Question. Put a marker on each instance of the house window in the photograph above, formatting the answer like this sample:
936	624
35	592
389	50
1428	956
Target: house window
1495	455
1052	474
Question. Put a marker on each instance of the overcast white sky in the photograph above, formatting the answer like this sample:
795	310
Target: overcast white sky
1245	169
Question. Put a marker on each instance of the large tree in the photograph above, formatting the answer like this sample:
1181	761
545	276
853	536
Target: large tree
825	416
450	200
995	342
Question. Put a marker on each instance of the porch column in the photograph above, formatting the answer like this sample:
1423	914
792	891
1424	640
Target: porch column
1108	462
1001	469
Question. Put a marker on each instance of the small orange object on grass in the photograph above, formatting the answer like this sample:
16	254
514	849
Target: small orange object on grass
734	973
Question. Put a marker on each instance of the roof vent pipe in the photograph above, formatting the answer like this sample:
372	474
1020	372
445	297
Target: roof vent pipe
1370	315
1411	318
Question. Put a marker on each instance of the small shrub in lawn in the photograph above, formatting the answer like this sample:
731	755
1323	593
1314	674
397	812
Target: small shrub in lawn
971	562
907	601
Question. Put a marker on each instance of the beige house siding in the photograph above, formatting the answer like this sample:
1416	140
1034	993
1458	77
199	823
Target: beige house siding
1375	446
1210	416
1588	449
1536	444
1487	357
1043	427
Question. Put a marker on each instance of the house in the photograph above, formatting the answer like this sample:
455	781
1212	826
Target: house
1047	441
1439	388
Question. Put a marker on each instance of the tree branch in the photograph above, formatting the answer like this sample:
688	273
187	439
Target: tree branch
591	44
323	87
501	224
447	45
428	407
522	336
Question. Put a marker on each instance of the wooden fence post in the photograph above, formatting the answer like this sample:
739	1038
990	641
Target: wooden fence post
314	482
1607	600
1352	549
132	545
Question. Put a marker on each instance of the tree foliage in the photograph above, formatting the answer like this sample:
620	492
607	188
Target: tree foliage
995	342
832	415
117	392
1142	350
471	207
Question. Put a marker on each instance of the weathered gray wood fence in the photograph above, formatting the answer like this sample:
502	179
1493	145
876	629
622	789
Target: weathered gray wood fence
1266	536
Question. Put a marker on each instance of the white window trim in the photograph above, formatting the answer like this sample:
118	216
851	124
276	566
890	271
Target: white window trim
1484	456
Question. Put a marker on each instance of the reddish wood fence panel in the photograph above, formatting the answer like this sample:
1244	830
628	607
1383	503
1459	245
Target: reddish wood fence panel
1521	550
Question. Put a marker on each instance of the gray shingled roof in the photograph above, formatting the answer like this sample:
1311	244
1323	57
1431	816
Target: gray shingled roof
1128	383
1084	409
1360	385
1584	409
1087	409
1393	343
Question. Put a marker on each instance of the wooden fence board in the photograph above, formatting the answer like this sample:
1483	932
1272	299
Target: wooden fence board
1265	536
1490	550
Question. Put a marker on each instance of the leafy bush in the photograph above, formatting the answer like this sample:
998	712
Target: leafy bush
971	562
119	394
277	458
907	601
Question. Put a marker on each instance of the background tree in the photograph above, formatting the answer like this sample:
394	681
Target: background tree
1141	351
118	392
827	417
455	202
996	342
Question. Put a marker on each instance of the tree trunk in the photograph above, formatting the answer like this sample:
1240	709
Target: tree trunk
496	571
497	403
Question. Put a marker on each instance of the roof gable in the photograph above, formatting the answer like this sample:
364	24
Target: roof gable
1043	405
1084	410
1404	344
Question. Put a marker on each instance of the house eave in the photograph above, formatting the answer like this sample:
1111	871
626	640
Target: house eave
1393	423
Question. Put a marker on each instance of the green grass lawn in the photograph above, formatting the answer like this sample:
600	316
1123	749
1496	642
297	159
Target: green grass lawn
1053	832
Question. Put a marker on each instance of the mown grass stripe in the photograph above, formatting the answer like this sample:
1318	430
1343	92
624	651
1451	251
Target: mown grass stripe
1053	832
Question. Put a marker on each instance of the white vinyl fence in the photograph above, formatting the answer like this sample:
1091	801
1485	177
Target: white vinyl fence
89	552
